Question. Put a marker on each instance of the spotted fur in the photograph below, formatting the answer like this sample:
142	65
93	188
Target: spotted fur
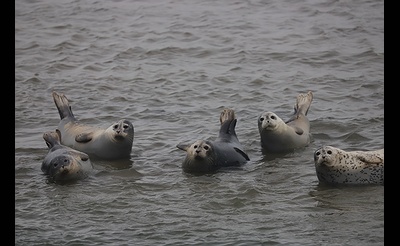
336	166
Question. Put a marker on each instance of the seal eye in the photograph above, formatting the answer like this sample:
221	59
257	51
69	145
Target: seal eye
317	153
195	146
329	152
125	126
115	126
273	117
206	147
262	119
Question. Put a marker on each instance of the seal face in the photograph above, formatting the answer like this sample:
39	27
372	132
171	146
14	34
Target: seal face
204	156
280	136
63	163
111	143
336	166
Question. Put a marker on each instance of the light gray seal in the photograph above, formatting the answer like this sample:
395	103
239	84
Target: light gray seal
336	166
111	143
63	163
279	136
205	156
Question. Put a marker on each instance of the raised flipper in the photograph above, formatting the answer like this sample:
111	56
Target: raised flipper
226	114
51	139
62	103
303	103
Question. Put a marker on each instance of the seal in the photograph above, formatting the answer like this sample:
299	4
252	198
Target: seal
111	143
63	163
280	136
206	156
337	166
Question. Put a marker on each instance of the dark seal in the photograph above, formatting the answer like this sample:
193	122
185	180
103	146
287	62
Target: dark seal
205	156
63	163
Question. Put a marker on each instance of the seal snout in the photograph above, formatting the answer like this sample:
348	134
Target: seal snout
198	149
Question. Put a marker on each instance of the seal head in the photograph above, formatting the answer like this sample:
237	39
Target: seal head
63	163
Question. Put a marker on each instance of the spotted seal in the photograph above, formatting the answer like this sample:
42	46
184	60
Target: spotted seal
336	166
205	156
280	136
63	163
111	143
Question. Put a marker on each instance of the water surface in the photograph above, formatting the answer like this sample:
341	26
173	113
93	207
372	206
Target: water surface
171	67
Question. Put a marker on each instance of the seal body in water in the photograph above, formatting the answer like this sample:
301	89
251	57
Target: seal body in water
63	163
111	143
280	136
205	156
336	166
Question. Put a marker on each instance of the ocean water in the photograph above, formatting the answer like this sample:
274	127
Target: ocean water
171	67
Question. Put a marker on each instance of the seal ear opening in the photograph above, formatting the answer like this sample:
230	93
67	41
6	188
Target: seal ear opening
183	146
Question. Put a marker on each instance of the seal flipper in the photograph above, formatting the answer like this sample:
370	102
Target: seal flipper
242	153
183	146
84	137
226	114
62	104
298	130
303	103
228	127
51	139
370	159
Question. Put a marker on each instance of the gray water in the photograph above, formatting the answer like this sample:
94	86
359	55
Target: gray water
171	67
